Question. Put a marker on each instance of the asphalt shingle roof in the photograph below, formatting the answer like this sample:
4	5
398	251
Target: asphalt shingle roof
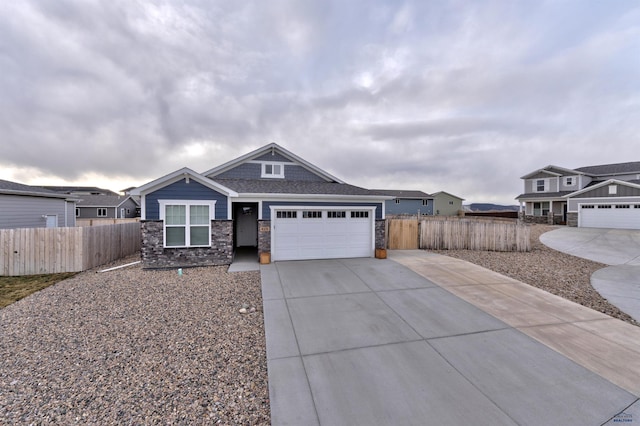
273	186
544	195
101	200
7	186
610	169
402	194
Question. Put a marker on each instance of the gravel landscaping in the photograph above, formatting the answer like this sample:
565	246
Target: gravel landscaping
558	273
134	346
131	346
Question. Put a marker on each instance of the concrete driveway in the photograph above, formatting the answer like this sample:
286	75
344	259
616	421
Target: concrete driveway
426	339
620	248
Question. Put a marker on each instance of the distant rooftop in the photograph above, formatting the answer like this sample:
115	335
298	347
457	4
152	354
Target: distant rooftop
402	193
79	190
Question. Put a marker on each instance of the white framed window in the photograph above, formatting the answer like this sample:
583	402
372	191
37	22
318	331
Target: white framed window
272	170
397	200
77	212
102	212
541	208
613	189
187	223
425	202
540	185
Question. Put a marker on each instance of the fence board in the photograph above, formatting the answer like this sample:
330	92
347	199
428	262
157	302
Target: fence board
30	251
459	234
403	234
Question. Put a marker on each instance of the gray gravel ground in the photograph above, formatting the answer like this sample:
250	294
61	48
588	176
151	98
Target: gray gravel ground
558	273
136	347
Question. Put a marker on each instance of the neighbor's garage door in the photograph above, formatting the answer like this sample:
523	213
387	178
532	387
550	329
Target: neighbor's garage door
321	234
619	216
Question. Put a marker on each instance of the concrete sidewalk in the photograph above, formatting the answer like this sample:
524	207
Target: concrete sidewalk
438	341
620	248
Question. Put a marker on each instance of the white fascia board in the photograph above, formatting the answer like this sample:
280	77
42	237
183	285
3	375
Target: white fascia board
600	185
178	175
264	150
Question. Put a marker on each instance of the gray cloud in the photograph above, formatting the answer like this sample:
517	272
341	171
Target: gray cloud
419	95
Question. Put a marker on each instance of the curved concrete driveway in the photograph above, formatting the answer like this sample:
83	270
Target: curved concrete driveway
620	248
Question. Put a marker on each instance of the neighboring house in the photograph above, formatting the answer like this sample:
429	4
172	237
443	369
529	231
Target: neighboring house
269	199
106	207
445	204
603	196
407	202
24	206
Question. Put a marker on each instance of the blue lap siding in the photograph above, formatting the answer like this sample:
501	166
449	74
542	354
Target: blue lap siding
185	191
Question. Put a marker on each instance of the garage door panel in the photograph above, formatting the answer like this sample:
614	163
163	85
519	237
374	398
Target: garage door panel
333	235
610	215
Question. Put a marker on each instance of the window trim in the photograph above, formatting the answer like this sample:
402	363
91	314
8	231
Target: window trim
106	213
544	185
187	235
272	175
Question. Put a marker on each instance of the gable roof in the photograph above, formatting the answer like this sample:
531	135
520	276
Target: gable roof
183	173
435	195
549	170
611	169
104	200
601	184
14	188
403	193
272	147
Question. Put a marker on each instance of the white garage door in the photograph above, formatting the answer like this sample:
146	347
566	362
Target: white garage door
312	233
619	216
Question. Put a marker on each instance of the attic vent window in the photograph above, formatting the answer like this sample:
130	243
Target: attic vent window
613	189
272	170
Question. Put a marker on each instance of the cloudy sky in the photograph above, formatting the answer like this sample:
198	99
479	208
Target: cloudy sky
459	96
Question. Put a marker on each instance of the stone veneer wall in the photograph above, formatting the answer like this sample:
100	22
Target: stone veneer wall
572	219
264	236
155	255
380	234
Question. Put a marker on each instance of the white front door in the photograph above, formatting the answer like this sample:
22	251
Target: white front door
322	233
246	226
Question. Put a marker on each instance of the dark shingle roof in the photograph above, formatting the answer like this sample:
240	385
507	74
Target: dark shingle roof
101	200
8	187
611	169
79	190
402	194
273	186
544	195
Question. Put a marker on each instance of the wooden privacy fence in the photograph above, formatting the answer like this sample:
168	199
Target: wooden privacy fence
32	251
463	234
101	222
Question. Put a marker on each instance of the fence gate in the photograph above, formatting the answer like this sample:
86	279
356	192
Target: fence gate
403	234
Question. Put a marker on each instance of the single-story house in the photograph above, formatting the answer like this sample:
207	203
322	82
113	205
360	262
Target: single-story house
446	204
601	196
106	207
270	200
24	206
407	202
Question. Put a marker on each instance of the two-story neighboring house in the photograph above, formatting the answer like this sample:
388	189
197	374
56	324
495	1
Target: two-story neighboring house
602	196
